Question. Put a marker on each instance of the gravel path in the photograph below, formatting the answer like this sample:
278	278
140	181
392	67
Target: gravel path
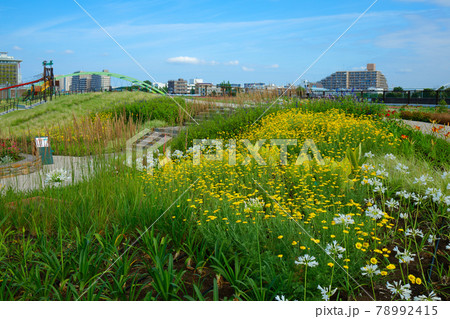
427	128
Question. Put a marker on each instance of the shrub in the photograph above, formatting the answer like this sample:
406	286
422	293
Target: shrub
348	104
438	118
442	106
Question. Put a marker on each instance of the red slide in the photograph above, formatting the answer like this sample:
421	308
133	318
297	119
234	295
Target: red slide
22	84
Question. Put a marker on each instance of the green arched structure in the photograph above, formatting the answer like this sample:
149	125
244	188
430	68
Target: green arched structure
118	76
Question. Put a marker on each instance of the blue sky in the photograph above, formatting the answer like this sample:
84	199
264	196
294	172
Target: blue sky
271	41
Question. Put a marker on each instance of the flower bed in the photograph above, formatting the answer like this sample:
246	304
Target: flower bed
9	152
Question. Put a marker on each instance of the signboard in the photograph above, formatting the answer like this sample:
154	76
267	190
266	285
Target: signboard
42	142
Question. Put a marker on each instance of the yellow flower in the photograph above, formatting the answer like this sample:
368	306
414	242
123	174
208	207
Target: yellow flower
390	266
412	279
330	264
302	247
418	281
373	261
383	273
281	236
358	245
280	256
294	243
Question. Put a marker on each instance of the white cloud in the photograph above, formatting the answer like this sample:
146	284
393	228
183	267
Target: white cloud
17	48
49	51
273	66
185	60
197	61
244	68
69	52
445	3
235	62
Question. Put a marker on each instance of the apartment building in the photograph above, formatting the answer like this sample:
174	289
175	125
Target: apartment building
356	80
177	86
9	70
100	83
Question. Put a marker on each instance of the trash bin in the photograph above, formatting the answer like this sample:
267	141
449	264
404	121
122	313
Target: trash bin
44	150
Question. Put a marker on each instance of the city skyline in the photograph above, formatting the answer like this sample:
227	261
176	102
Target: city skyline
272	42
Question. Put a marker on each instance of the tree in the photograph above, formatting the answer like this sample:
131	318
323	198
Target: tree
398	89
226	87
146	89
300	91
429	93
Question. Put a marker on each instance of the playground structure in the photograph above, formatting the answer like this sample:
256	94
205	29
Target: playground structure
46	87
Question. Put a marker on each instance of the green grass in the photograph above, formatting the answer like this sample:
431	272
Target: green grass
212	243
61	110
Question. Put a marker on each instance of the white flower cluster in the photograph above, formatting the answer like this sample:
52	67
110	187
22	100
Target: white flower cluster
423	180
369	155
390	156
343	219
307	260
404	257
392	203
370	270
374	212
431	297
254	204
414	232
56	177
326	292
367	167
402	168
334	249
397	288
